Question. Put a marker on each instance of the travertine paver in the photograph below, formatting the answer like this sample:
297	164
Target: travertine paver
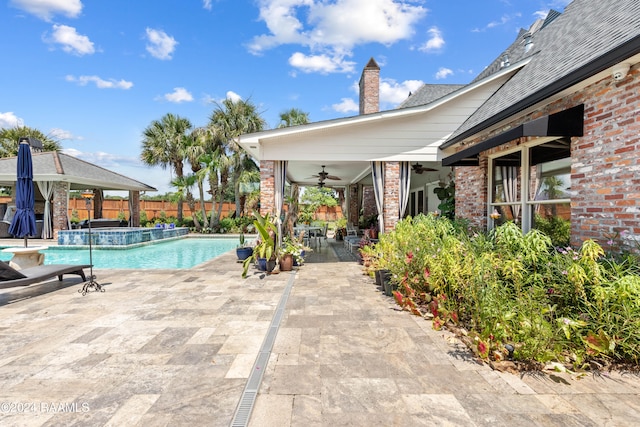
157	348
345	355
172	348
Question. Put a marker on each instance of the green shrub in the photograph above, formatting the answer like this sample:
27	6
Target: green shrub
506	287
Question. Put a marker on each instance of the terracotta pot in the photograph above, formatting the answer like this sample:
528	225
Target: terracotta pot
286	262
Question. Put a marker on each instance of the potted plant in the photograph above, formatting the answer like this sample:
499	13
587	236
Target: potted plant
243	251
288	252
341	228
295	249
265	252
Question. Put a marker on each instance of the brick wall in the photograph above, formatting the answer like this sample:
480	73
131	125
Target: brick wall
267	187
605	163
605	171
472	192
369	207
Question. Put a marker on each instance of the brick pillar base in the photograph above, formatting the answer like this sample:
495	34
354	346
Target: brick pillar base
354	205
391	194
267	187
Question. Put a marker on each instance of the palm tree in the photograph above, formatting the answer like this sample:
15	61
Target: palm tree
232	119
163	144
9	138
215	168
183	189
293	117
200	143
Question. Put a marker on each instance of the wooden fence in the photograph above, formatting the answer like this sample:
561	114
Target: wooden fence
111	208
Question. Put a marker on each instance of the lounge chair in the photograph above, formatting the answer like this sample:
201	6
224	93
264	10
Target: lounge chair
10	277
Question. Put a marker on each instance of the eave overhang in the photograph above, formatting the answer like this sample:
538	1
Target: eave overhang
566	123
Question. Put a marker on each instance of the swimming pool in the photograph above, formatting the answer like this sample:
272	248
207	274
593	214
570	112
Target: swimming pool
180	253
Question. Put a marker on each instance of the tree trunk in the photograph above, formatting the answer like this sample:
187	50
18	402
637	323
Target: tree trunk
97	203
202	206
192	208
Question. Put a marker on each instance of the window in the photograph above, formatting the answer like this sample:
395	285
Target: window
532	186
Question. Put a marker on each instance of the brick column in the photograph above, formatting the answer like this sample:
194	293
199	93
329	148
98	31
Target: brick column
267	187
391	194
134	206
60	207
354	208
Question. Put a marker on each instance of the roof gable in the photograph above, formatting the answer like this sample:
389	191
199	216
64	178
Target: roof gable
574	46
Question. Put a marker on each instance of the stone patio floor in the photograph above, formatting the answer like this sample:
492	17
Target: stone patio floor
176	347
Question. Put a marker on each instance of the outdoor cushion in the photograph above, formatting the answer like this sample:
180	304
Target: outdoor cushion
36	274
8	273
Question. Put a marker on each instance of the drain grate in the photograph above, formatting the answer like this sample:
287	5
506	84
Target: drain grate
248	398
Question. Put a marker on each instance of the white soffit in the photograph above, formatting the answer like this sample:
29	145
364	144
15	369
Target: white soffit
412	134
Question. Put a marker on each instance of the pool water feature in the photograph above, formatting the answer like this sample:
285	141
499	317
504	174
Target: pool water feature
118	236
173	254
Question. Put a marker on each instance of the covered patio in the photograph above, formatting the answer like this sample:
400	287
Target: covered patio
55	174
395	154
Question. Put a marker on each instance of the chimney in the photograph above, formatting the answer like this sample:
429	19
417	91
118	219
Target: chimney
370	88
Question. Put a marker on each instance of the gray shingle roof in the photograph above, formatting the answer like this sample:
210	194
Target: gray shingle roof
80	174
428	93
585	32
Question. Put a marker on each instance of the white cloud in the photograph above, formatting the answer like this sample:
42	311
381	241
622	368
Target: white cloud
46	9
435	42
504	19
61	134
233	96
99	82
179	95
346	105
320	63
10	120
392	92
443	73
71	41
331	29
160	45
206	4
131	167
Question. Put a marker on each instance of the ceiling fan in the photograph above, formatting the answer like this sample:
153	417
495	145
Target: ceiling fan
321	184
322	175
418	168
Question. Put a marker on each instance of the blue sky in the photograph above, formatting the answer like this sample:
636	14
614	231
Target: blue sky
96	73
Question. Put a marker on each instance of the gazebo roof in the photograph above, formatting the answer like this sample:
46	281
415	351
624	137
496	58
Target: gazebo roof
60	167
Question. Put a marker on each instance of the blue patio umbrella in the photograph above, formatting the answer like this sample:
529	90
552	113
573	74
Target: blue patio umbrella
24	220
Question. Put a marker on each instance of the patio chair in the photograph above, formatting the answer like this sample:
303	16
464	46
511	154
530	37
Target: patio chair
6	221
321	234
10	277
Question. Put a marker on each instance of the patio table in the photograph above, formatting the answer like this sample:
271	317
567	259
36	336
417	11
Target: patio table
25	257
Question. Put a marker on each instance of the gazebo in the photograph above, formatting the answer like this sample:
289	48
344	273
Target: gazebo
55	174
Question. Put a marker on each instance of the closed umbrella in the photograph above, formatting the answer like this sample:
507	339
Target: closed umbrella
24	221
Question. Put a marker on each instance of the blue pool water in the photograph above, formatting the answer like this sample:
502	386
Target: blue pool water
181	253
